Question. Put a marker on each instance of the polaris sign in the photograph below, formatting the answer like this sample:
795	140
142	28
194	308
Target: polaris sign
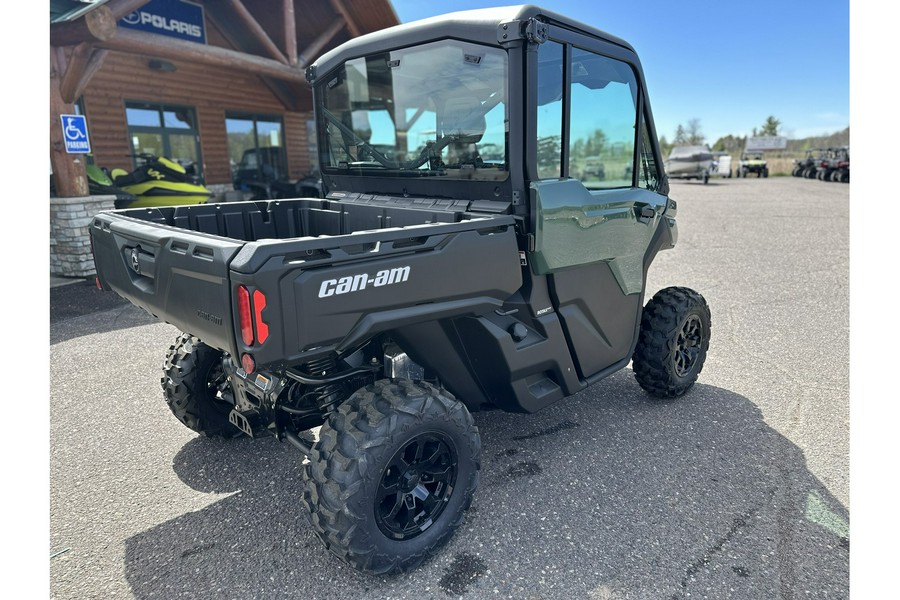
175	18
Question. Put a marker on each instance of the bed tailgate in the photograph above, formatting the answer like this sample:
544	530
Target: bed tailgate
179	276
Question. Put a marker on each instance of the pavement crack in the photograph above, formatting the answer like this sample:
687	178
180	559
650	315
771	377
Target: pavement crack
739	523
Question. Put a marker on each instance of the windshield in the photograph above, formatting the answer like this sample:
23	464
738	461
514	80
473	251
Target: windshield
436	110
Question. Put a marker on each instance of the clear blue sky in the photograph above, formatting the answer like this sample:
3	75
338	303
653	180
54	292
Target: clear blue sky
728	64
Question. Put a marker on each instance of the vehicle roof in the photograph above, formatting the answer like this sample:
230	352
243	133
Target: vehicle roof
479	25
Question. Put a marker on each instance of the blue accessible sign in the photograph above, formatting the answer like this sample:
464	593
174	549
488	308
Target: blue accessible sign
75	134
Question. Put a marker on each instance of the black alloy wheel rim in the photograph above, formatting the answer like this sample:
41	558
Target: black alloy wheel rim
687	345
415	486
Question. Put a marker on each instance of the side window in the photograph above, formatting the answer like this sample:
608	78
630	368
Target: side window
602	121
649	175
549	111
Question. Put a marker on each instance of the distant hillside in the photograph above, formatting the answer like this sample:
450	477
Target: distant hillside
835	140
734	145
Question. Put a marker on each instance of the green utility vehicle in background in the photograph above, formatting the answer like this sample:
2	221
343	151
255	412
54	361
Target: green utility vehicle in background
753	162
457	263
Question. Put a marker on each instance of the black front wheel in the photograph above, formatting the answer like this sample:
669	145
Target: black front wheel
673	342
393	472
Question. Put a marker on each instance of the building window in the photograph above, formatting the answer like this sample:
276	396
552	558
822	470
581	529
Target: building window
256	147
164	130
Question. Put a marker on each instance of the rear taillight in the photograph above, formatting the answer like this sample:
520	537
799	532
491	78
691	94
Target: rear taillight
247	363
244	315
250	316
259	303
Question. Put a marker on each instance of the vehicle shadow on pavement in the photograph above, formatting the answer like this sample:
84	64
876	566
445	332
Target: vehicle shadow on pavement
606	495
79	309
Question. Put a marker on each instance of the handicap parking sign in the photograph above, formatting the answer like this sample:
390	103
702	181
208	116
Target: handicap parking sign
75	134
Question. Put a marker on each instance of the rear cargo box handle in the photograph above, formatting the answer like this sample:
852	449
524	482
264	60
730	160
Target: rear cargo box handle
141	264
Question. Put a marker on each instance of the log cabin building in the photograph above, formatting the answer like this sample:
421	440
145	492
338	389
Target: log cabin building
192	80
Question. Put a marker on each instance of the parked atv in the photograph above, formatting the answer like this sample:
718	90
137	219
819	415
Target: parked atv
261	172
835	165
801	165
841	170
430	282
753	162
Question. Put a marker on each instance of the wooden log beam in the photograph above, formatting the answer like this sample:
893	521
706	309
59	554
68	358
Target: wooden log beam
123	8
256	30
312	52
290	32
342	10
99	25
148	44
68	169
94	64
74	71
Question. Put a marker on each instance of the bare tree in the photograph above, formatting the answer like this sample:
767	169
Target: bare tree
689	135
695	136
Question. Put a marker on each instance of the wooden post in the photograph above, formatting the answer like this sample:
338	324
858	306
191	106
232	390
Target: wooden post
290	32
73	72
68	169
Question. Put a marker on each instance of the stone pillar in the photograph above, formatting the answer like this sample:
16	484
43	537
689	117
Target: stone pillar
70	240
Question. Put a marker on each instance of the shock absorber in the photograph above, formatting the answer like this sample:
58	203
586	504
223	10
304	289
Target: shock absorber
327	393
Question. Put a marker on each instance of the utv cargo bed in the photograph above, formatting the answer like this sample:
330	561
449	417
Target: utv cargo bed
330	270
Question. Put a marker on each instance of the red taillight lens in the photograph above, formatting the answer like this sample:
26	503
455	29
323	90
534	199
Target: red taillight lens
248	364
244	316
259	303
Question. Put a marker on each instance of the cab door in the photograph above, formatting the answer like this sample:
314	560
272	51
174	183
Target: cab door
594	193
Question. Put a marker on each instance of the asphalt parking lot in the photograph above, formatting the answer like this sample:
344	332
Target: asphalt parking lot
738	490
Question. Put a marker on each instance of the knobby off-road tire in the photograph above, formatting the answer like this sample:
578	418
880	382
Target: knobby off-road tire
672	343
192	384
392	474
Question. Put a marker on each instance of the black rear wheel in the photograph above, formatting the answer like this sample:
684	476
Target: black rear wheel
393	472
196	388
673	342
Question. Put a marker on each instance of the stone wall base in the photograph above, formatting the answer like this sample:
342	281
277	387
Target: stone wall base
70	240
